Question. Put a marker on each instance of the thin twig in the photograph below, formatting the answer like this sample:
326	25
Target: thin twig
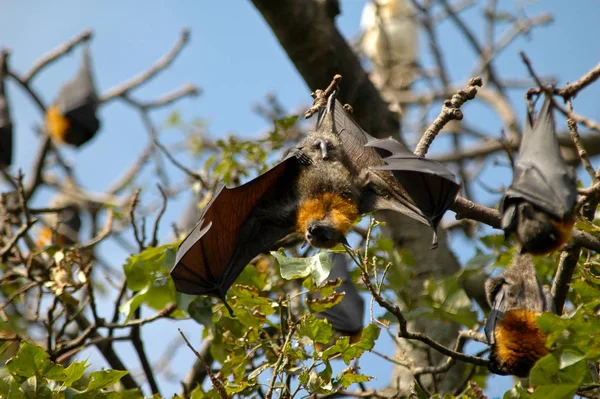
180	166
163	208
321	96
148	74
55	54
450	111
216	382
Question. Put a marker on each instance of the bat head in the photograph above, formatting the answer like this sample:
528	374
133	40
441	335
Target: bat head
537	232
328	203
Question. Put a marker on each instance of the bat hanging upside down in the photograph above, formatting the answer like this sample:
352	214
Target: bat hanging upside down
517	299
538	207
337	173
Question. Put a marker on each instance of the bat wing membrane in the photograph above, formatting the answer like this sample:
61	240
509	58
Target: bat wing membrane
347	316
541	175
233	229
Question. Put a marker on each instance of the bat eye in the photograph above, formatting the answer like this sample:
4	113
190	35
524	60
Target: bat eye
347	194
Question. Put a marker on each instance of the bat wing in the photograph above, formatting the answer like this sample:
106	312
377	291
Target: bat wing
419	188
541	175
237	225
77	100
6	128
430	184
496	315
347	316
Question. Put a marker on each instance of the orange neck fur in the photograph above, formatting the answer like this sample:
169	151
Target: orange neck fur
342	212
519	340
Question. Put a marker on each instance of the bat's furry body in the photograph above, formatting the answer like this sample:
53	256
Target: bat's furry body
538	207
516	299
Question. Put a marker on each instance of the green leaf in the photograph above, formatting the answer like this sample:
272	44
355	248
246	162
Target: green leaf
9	388
35	388
547	371
257	371
316	329
562	391
173	120
517	392
200	309
105	378
31	360
317	266
349	377
318	305
155	262
74	372
569	357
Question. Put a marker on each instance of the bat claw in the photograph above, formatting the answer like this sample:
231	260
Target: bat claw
344	242
303	158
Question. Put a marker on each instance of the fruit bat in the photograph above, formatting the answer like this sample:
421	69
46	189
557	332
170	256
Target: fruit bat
538	207
346	317
516	299
6	126
66	223
318	190
72	117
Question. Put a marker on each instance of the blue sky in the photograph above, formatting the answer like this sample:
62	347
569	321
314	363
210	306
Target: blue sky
235	59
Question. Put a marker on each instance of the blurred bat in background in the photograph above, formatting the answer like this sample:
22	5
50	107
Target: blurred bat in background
538	207
516	299
390	39
318	190
6	125
71	118
346	317
63	226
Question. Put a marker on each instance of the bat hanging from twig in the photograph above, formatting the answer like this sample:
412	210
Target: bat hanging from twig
538	207
516	299
335	174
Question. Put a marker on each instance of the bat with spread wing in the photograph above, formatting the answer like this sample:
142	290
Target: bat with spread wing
347	317
538	207
516	299
72	117
6	125
318	190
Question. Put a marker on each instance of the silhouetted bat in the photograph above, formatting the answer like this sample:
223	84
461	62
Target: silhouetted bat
6	126
516	299
72	117
346	317
318	190
538	206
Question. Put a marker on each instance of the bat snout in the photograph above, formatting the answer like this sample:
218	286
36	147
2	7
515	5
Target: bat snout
322	235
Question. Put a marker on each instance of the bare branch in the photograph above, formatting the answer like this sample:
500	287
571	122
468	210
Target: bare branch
572	89
169	98
55	54
148	74
216	382
450	110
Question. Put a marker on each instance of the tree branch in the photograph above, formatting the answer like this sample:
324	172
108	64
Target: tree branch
148	74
